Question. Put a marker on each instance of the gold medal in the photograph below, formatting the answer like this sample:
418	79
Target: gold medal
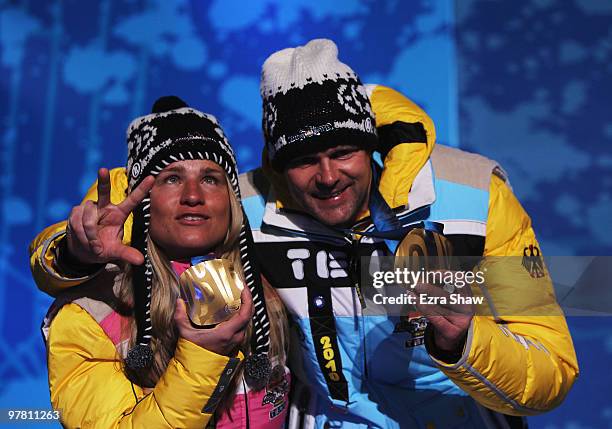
422	249
211	290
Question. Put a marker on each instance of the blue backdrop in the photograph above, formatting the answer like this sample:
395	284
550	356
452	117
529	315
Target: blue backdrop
526	83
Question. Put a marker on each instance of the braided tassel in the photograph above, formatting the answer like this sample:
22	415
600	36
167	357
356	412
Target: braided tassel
257	365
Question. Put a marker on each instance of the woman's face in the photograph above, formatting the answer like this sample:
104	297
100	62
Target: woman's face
190	208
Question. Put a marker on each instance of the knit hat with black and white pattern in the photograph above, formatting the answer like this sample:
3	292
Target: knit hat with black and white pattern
175	132
311	102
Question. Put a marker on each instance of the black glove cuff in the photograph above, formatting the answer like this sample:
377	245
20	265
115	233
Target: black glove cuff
449	357
66	264
397	133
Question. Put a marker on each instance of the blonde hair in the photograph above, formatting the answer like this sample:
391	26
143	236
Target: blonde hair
163	301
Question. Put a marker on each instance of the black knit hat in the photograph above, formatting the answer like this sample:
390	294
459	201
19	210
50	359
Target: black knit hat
174	132
311	102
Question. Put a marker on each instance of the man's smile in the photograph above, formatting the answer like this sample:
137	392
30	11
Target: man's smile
324	196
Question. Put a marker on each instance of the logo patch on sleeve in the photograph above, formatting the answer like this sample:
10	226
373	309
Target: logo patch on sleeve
532	261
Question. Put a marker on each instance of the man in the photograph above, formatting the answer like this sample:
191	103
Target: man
319	203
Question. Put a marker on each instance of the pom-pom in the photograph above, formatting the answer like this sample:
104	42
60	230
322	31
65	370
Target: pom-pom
139	357
167	103
257	370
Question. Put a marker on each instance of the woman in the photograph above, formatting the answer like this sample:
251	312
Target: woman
128	355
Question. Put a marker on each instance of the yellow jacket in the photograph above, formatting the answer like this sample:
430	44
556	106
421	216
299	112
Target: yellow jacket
517	363
519	357
86	380
90	390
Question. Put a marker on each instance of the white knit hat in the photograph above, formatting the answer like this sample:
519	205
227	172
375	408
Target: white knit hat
312	101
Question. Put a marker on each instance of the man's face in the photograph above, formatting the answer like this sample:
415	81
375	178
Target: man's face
331	185
190	208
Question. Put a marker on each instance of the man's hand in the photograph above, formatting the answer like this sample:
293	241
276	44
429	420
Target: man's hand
450	321
95	230
224	338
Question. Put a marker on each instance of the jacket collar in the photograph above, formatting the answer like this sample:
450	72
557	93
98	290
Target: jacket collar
279	216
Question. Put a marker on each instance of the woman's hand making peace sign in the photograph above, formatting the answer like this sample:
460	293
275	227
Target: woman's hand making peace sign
95	230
